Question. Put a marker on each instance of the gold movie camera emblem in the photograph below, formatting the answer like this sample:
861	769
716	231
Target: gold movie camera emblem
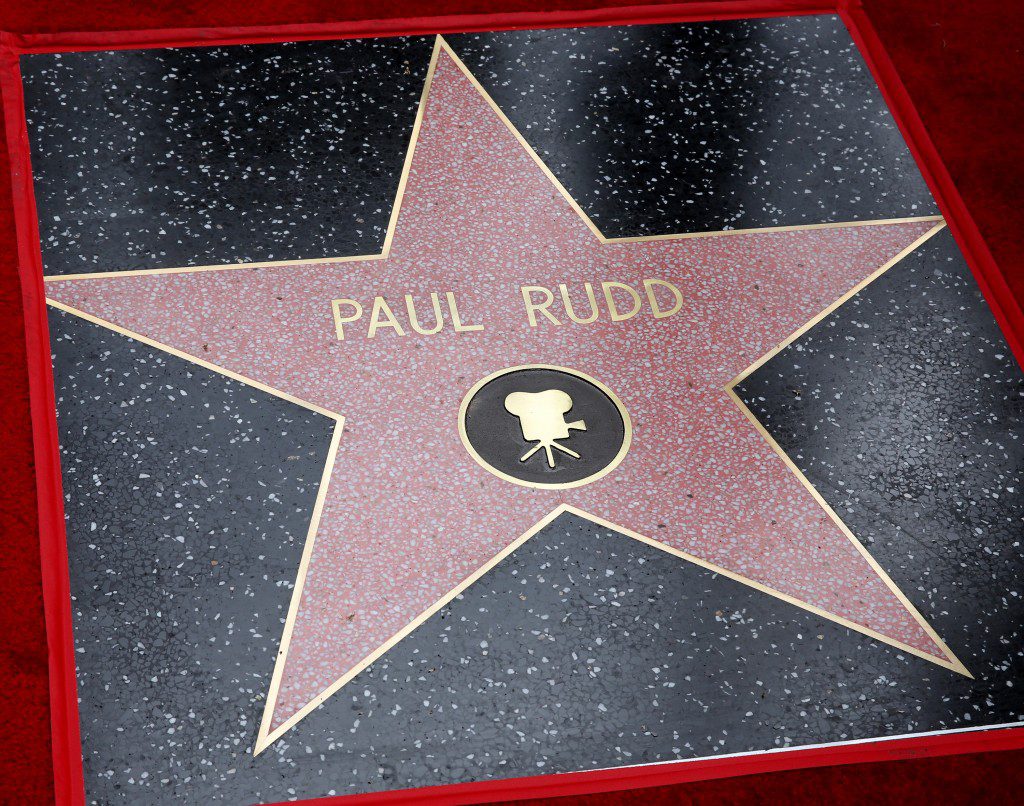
542	419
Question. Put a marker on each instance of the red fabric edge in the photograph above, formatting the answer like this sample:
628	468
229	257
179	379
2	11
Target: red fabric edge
681	772
407	26
65	738
68	775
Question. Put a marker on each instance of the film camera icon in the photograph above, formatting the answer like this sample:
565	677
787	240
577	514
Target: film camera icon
542	419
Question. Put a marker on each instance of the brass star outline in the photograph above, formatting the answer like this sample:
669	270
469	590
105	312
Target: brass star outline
267	736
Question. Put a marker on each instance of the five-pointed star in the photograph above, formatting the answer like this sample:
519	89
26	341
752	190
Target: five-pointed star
405	518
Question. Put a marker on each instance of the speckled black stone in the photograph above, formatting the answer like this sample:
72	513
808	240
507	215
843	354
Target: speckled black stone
192	156
188	498
588	649
905	409
709	126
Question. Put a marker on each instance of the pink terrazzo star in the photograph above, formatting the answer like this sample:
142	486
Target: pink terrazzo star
408	516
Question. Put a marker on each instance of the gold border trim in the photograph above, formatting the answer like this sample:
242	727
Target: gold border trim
441	44
627	424
266	736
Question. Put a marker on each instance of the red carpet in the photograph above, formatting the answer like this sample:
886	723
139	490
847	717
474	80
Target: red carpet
962	65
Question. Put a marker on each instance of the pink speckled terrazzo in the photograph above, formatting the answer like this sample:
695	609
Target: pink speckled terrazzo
408	513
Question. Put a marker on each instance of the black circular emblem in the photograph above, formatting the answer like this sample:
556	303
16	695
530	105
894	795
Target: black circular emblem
544	426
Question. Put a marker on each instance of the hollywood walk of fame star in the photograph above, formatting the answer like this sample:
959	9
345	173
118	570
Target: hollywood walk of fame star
405	518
